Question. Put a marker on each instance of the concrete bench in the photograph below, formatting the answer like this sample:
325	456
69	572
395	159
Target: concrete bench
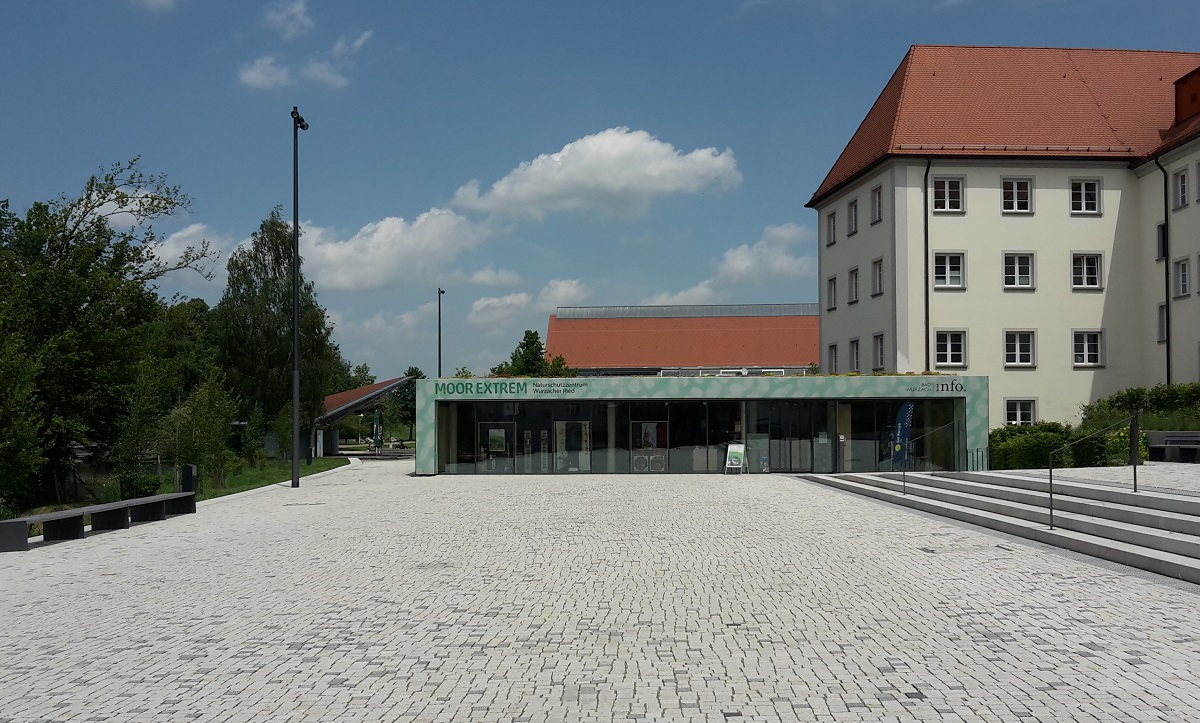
68	524
1174	446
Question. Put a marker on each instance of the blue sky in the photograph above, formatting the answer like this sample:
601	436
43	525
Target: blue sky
521	155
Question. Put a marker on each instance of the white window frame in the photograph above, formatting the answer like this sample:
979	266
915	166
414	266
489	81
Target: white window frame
1181	277
1179	189
1080	205
854	354
1015	284
831	228
1083	356
1079	271
832	358
1020	411
876	205
944	280
878	357
877	276
1014	356
1011	190
852	218
944	190
831	293
949	338
852	286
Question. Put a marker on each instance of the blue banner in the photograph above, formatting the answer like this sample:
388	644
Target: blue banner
903	436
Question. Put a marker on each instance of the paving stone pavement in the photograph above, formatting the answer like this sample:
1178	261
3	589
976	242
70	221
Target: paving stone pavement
373	595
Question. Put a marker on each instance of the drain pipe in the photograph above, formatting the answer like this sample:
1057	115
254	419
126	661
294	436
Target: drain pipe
925	199
1166	252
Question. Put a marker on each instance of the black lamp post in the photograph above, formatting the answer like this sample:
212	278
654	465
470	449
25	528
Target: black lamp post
298	124
441	291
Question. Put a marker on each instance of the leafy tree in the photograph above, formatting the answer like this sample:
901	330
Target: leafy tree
360	377
405	398
253	328
529	360
212	411
20	443
78	277
463	373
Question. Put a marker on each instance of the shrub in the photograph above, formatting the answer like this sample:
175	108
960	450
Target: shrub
1028	446
1086	451
1117	446
134	483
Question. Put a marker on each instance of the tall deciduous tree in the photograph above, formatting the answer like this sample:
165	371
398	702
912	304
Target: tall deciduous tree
78	277
529	360
253	328
406	399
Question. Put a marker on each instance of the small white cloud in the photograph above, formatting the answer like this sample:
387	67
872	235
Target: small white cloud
158	6
323	72
489	276
264	74
289	19
387	250
771	258
344	49
497	310
562	292
617	170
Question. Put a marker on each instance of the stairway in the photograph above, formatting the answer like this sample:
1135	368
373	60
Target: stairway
1153	531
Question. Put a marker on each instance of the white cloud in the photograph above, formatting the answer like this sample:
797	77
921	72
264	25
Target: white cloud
617	170
771	258
489	276
344	49
263	73
323	72
562	292
157	5
289	19
388	251
497	310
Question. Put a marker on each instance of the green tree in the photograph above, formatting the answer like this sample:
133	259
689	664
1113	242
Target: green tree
20	443
463	373
253	328
529	360
360	377
78	277
212	411
405	400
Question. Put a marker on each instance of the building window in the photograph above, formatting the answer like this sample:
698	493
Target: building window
951	349
1019	349
833	360
1088	348
877	357
877	204
1018	271
1163	331
876	277
1182	280
852	287
1085	197
948	195
1161	249
1016	195
948	271
1086	271
831	229
1179	189
1020	411
852	218
854	355
831	293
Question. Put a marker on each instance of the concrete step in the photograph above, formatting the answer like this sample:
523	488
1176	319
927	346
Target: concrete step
1071	531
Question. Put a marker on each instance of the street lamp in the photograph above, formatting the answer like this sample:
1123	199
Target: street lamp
441	292
298	124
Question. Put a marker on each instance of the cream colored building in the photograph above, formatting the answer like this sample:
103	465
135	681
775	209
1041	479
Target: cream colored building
998	213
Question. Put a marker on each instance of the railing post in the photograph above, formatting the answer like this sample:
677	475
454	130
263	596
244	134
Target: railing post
1051	469
1135	447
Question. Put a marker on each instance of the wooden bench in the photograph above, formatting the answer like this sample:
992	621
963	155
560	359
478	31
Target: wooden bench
68	524
1174	446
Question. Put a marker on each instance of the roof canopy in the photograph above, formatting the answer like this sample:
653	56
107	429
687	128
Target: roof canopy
343	404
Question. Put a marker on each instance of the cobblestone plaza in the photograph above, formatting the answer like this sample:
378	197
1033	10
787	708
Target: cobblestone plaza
370	594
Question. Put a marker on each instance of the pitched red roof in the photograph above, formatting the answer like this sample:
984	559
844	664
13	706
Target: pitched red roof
344	403
1032	102
700	341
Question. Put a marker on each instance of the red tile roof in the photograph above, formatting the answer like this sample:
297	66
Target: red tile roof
724	341
343	403
1029	102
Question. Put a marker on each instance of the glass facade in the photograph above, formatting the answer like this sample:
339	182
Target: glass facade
693	436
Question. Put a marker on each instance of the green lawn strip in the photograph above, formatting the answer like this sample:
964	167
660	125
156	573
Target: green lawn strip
272	473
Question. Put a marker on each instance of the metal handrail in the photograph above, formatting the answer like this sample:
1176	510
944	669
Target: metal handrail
1134	440
909	444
